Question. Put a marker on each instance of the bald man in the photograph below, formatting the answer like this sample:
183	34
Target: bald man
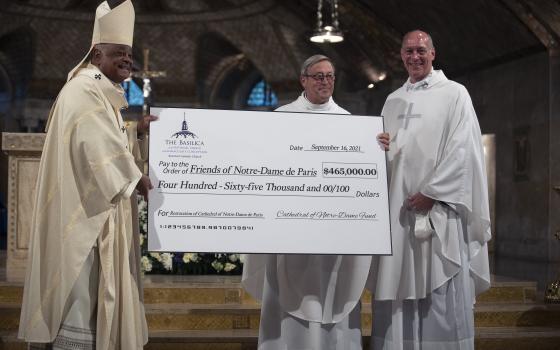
425	292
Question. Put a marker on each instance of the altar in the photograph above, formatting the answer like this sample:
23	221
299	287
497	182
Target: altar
24	152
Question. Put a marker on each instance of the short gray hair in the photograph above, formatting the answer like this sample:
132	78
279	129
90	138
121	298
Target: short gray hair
314	60
430	41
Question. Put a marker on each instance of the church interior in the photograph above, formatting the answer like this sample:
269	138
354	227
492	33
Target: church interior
246	55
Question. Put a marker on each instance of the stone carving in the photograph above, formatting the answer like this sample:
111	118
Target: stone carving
24	153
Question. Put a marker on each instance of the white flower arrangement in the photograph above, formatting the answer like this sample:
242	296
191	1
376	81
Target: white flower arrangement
229	267
218	266
142	207
156	256
145	264
190	257
167	261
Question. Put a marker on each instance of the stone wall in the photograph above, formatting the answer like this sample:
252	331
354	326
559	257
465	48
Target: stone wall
512	102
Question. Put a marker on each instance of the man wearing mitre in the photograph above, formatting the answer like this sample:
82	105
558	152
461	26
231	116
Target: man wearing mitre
83	286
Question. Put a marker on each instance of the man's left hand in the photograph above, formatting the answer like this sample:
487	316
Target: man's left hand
419	202
144	124
384	140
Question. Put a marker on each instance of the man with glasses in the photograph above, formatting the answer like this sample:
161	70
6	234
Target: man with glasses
309	301
425	292
317	79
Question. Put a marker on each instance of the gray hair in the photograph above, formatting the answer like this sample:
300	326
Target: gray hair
430	41
314	60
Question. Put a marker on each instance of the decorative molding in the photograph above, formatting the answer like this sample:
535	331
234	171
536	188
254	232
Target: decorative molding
21	148
12	208
22	142
232	296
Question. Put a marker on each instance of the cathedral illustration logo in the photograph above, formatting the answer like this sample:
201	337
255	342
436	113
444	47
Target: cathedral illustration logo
184	143
185	133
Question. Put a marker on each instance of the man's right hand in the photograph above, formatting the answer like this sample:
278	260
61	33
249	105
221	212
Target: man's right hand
384	140
143	126
144	186
419	202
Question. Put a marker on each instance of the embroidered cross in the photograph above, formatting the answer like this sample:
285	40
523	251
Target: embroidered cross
98	76
408	115
123	129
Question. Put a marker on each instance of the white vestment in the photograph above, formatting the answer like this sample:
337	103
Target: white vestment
424	293
86	177
308	301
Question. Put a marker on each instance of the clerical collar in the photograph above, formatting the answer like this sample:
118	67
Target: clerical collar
422	84
312	106
114	92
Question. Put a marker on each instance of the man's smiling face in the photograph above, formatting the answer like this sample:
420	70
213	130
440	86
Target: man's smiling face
113	60
417	53
318	82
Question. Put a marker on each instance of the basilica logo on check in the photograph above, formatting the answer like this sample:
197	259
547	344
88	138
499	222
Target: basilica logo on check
183	143
184	130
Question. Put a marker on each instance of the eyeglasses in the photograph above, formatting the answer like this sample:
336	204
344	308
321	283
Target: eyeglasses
321	77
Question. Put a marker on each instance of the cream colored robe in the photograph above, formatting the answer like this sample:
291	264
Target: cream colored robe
86	177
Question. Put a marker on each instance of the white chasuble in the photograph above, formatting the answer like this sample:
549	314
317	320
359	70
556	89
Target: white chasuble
424	293
86	178
436	149
308	301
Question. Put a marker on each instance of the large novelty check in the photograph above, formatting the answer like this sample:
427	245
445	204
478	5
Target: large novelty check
267	182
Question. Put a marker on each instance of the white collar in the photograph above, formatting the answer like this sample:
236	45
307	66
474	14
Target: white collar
312	106
113	91
422	84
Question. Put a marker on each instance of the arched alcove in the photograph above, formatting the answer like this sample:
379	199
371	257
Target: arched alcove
225	76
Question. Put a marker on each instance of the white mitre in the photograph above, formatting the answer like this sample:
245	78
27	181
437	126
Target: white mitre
114	26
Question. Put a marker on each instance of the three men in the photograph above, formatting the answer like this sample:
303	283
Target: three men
83	253
309	301
83	284
425	292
